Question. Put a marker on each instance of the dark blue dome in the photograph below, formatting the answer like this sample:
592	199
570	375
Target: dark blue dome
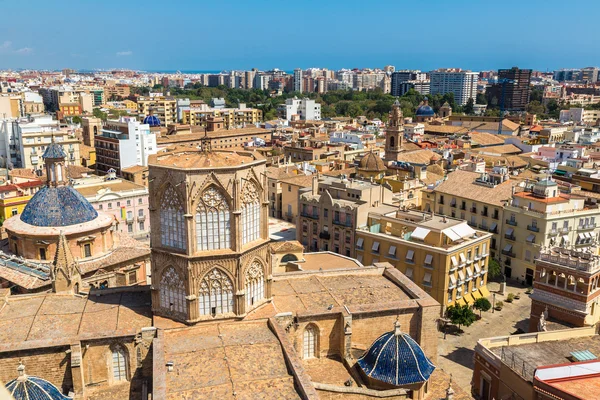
395	358
58	206
33	388
152	120
54	150
425	111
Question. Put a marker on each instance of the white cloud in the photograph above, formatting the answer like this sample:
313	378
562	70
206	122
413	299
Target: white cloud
24	50
124	53
6	45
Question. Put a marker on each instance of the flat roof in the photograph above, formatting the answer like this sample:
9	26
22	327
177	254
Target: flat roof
327	261
195	159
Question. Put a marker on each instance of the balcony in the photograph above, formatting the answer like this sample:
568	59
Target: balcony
325	235
129	219
472	223
484	213
494	230
564	230
511	222
586	227
510	254
342	223
307	215
510	237
453	205
141	218
473	210
463	207
533	228
483	227
496	216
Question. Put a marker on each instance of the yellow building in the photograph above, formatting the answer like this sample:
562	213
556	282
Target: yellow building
232	117
14	197
445	257
290	192
164	108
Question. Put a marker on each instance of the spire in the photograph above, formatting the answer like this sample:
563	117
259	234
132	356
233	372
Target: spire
65	271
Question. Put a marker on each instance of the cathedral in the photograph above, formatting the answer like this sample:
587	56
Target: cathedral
228	314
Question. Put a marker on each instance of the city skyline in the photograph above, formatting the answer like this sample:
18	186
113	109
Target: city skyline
330	35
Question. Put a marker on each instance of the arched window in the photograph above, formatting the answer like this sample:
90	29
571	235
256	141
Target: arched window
119	365
250	213
255	284
212	221
216	294
172	291
288	258
172	224
309	341
392	141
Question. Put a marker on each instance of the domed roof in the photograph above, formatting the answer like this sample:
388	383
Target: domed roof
425	111
54	150
395	358
152	120
371	162
58	206
33	388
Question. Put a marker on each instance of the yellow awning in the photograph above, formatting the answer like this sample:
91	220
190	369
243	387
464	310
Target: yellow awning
461	302
468	298
476	294
484	291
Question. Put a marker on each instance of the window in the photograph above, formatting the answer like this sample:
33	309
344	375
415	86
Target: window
118	204
118	364
141	225
139	201
375	247
359	243
325	212
255	284
213	229
14	212
129	228
140	213
132	277
250	213
216	294
309	342
428	261
410	254
172	232
100	207
392	251
172	291
42	253
109	206
128	202
427	279
129	214
87	250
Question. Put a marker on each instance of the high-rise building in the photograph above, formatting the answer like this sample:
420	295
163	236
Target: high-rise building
516	89
298	80
249	79
304	109
589	74
461	83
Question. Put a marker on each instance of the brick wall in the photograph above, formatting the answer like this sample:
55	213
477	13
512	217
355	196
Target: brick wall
52	364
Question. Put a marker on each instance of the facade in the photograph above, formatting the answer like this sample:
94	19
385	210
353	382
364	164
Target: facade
14	197
302	109
275	177
91	127
122	144
333	208
516	90
164	108
290	193
539	217
402	81
233	118
394	133
463	84
566	285
444	257
580	116
219	138
298	80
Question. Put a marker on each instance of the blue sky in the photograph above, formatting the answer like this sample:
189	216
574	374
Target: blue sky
242	34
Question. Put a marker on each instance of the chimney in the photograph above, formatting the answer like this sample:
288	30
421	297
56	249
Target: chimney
315	184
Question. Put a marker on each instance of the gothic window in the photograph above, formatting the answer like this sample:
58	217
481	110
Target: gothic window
250	213
172	291
309	341
119	367
212	221
255	284
216	294
392	141
172	224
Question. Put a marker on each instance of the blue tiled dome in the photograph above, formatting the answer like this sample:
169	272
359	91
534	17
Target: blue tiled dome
395	358
58	206
425	111
33	388
54	150
152	120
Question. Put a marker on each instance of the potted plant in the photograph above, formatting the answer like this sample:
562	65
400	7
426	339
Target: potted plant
499	305
510	297
517	296
529	290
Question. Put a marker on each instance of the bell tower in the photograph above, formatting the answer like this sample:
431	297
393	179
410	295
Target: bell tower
394	133
54	161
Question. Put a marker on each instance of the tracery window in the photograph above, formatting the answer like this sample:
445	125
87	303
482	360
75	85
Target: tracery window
309	342
119	367
172	223
213	229
255	284
172	291
216	294
250	213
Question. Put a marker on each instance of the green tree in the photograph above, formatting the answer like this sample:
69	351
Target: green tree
536	95
492	112
76	119
494	270
469	108
480	99
482	304
461	315
554	109
535	107
98	113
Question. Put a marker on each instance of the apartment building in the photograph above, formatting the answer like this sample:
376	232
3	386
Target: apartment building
444	256
302	109
124	143
566	286
121	91
402	81
477	198
15	195
463	84
275	176
164	108
65	99
291	188
91	127
218	138
580	116
538	217
516	89
233	118
333	208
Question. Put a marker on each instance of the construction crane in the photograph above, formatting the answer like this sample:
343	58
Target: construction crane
502	82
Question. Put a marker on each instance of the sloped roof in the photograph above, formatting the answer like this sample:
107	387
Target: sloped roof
462	184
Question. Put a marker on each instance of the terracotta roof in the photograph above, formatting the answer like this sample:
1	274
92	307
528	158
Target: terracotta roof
485	139
113	186
84	151
461	184
300	180
190	137
135	169
279	173
503	149
284	247
423	156
188	158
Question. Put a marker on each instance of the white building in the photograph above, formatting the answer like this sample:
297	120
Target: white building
580	116
304	109
463	84
414	131
298	80
353	140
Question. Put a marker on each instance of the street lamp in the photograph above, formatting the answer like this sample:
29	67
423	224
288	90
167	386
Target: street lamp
493	302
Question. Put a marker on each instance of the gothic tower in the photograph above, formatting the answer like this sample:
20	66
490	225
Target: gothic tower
65	274
394	133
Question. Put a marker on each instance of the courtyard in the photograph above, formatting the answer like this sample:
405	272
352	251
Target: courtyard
456	351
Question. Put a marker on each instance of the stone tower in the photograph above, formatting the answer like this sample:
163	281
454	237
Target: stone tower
210	251
65	274
394	133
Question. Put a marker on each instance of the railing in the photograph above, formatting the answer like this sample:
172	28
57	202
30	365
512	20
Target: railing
586	227
566	261
510	237
313	216
325	235
517	364
508	253
496	216
484	213
533	228
512	222
495	230
141	218
463	207
564	230
342	223
453	205
474	210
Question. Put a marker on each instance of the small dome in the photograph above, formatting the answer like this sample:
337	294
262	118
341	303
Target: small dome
425	111
371	162
54	150
152	120
31	387
58	206
396	359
